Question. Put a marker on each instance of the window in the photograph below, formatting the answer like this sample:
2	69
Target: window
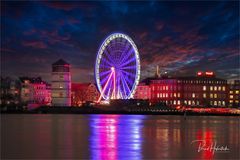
163	87
189	102
178	102
211	88
204	95
158	95
231	96
219	88
163	94
193	95
231	92
166	95
223	103
174	94
174	102
223	88
215	103
166	87
211	95
204	88
231	101
215	88
215	95
178	94
237	92
219	103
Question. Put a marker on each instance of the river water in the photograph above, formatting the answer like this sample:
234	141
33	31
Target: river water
67	136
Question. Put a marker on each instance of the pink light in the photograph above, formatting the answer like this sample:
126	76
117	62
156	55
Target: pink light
105	87
209	73
114	83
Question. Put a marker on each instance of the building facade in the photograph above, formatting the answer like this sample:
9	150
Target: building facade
35	91
143	91
234	96
84	92
203	90
61	83
10	91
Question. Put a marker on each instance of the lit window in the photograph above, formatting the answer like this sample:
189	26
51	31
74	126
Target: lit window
231	101
193	95
193	102
158	95
163	87
231	92
211	103
215	88
223	103
236	101
197	102
166	87
189	102
161	95
215	95
237	92
204	88
211	95
231	96
178	94
211	88
219	103
223	88
174	94
166	95
185	102
204	95
174	102
215	103
219	88
178	102
153	88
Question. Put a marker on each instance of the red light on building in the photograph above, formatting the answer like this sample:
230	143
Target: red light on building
199	73
209	73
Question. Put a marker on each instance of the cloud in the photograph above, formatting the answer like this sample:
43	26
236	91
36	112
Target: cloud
35	44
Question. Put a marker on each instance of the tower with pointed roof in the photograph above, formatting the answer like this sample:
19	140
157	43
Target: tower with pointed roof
61	83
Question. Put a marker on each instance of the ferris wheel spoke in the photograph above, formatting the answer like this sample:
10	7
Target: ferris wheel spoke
126	85
129	61
105	78
123	86
104	73
128	73
109	59
105	61
127	55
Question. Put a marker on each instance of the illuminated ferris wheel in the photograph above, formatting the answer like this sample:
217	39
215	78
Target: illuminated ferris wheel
117	68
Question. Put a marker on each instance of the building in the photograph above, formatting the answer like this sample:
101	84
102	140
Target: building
10	91
84	92
35	91
202	90
61	83
143	91
234	98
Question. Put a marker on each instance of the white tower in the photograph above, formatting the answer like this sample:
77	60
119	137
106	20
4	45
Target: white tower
61	83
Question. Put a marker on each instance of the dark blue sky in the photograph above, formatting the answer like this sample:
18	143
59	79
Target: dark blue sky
180	37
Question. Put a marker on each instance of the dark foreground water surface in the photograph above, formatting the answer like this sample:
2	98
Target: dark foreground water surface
118	137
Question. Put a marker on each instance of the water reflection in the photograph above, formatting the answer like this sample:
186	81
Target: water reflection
115	137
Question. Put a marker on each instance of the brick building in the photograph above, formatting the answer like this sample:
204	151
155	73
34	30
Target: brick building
84	92
202	90
234	96
143	91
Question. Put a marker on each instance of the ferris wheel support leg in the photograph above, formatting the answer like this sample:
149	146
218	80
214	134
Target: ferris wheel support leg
99	99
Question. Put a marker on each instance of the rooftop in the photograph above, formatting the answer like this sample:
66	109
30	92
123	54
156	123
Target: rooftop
60	62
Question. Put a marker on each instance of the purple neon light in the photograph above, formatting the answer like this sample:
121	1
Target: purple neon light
120	54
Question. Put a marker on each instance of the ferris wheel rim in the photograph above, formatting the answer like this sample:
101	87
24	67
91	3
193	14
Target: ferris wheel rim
100	52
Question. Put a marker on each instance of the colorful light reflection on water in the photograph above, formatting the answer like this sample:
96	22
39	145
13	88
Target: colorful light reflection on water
115	137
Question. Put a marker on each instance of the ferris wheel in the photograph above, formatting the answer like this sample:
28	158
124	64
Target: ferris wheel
117	68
